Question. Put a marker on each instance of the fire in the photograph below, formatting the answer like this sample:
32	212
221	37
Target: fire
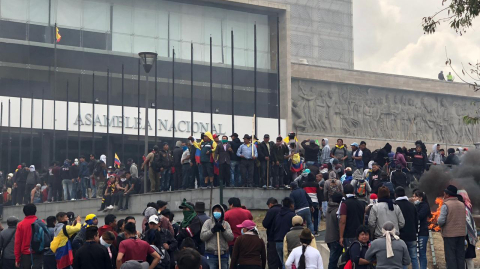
435	214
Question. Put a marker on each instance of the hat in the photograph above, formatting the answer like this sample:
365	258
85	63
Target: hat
38	185
249	224
297	220
161	203
186	204
19	166
10	175
354	144
76	160
306	234
234	134
134	265
373	196
12	221
348	169
266	136
89	218
200	206
32	168
150	211
246	136
279	138
165	212
451	190
153	218
215	136
110	167
324	170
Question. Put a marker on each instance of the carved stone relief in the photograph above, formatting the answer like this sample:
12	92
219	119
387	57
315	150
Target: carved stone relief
360	111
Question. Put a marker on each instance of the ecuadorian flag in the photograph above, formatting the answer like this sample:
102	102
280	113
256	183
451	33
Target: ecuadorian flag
58	37
117	161
64	255
197	151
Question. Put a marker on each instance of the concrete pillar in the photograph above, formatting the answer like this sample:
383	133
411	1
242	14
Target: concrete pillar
285	69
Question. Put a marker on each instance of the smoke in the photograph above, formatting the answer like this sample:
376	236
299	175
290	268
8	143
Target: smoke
465	176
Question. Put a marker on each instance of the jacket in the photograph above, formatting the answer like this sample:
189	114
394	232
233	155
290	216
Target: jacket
264	151
79	239
5	235
354	216
423	213
378	251
452	159
452	218
311	151
83	170
366	157
279	153
166	159
193	231
60	244
134	170
66	173
409	232
379	214
269	219
74	171
160	237
282	223
33	178
435	156
235	144
106	228
313	259
177	156
92	256
292	240
325	156
312	188
332	233
23	236
222	155
300	199
210	238
419	160
234	217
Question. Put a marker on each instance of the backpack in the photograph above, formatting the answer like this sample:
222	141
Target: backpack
333	188
156	162
344	262
361	190
399	178
164	257
41	238
375	154
344	151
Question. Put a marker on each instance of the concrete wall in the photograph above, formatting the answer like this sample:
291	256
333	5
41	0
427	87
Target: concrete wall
253	199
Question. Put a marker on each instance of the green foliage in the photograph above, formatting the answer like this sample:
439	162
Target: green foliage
470	120
459	15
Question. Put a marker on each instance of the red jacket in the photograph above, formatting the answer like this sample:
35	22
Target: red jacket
234	217
106	228
23	236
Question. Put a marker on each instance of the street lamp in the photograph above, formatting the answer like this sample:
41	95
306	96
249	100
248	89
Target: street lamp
148	59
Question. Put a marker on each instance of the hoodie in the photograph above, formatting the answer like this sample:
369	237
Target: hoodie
332	234
282	223
207	149
435	156
210	238
59	244
357	181
325	157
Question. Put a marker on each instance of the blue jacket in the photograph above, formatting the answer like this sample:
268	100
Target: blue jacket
300	198
268	221
282	224
83	170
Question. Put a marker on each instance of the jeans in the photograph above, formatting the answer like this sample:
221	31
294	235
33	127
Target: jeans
247	167
306	216
178	177
84	183
454	252
279	246
278	174
67	188
224	173
93	185
266	169
166	173
272	256
49	262
201	180
412	251
213	262
186	175
324	208
9	264
235	180
121	197
316	219
335	252
31	261
422	251
73	193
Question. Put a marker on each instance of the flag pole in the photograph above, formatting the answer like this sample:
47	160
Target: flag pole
20	134
233	89
138	116
93	113
108	113
191	88
123	112
211	88
1	135
255	73
9	138
78	120
156	102
31	131
253	134
173	95
66	126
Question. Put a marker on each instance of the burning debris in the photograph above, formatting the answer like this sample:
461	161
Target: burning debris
435	214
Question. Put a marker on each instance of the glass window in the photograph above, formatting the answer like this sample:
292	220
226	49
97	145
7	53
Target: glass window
122	19
39	11
175	26
96	16
14	9
144	22
141	43
69	13
162	28
122	43
162	47
192	28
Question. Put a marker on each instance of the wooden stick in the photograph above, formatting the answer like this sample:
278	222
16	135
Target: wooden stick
219	253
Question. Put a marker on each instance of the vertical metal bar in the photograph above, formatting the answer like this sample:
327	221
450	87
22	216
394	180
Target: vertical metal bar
221	40
255	74
278	73
211	88
138	116
9	139
123	113
108	112
233	87
68	110
43	113
168	35
54	91
156	101
93	113
191	88
78	120
146	136
173	94
31	130
20	133
1	136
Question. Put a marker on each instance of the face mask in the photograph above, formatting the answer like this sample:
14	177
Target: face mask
184	148
103	243
242	232
417	202
224	141
217	215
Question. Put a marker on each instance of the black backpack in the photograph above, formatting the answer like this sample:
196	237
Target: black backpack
155	164
41	239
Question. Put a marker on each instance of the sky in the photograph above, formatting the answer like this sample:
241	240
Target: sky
388	38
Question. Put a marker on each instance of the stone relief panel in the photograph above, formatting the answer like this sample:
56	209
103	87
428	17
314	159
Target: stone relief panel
335	109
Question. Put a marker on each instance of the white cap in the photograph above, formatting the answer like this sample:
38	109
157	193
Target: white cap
154	219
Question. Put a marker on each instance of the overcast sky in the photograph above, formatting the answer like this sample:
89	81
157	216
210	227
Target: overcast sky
388	38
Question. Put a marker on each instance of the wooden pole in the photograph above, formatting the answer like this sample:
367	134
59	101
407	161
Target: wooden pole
219	253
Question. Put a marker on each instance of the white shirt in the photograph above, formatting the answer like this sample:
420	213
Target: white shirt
313	259
360	153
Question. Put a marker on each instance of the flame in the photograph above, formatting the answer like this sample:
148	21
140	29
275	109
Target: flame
435	214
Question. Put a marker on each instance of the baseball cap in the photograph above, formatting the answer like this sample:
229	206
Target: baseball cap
266	136
354	144
247	224
153	218
134	265
297	220
215	136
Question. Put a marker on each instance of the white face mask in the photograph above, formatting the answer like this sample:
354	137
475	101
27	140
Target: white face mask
103	243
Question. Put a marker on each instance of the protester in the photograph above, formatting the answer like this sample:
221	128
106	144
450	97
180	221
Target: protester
419	161
435	157
109	198
357	156
128	187
306	255
311	151
268	223
385	210
153	163
24	257
186	168
33	178
282	225
79	240
61	245
162	239
423	212
472	239
83	177
234	216
302	203
361	186
110	225
339	152
389	250
235	161
332	232
367	154
452	158
249	249
36	195
351	217
374	177
325	156
409	232
108	241
400	158
247	160
189	258
359	248
135	249
191	225
453	223
177	164
200	210
7	242
332	185
217	231
208	147
292	238
92	254
312	188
